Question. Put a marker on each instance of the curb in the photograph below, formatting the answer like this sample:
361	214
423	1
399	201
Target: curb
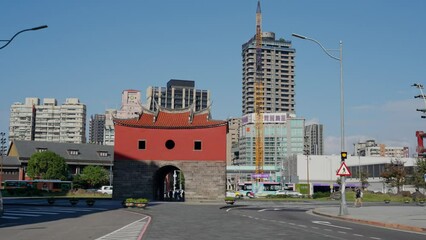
374	223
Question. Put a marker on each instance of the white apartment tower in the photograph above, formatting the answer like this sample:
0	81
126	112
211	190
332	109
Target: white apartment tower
21	124
48	121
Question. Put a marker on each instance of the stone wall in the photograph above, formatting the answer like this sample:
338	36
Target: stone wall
204	180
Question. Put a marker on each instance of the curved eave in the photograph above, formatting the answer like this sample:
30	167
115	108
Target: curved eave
173	127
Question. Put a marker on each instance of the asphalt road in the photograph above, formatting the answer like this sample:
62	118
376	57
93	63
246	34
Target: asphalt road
181	221
23	222
168	220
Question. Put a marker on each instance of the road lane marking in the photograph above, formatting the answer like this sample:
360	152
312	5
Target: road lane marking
21	214
328	224
133	230
358	235
8	217
33	212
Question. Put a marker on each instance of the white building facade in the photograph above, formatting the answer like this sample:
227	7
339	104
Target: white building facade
48	121
321	171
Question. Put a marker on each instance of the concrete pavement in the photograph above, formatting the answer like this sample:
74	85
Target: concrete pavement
402	217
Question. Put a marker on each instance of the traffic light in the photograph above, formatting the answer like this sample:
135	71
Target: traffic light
343	155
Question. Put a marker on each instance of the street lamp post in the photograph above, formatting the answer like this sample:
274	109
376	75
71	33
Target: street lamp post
2	149
16	34
343	207
420	87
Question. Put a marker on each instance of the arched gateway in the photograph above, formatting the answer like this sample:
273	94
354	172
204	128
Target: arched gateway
170	155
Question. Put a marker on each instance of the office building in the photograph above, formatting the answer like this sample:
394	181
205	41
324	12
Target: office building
283	134
179	94
314	139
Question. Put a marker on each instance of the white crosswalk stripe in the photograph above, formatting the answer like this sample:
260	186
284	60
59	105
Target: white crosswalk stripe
129	232
18	213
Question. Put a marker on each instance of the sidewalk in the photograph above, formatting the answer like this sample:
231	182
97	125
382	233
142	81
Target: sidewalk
409	218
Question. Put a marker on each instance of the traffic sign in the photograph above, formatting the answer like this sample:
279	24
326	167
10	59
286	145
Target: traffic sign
343	170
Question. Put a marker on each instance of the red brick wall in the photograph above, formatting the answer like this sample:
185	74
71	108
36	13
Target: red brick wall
213	144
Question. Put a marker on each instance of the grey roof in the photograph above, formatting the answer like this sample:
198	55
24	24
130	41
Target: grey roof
10	161
87	153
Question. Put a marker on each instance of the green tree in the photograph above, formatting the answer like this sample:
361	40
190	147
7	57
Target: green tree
364	179
95	176
419	172
47	165
394	174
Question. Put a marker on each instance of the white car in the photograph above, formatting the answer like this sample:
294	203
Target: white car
288	193
105	190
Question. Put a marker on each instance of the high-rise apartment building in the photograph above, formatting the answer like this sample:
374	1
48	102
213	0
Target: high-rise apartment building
283	132
96	129
178	94
48	121
277	63
22	122
314	139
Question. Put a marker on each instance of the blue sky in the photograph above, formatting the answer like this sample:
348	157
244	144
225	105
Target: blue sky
93	50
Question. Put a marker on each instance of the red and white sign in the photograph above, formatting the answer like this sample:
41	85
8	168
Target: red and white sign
343	170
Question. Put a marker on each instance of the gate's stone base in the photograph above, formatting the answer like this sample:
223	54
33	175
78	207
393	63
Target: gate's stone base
204	180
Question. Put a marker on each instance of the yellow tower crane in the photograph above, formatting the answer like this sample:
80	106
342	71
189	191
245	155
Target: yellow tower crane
259	97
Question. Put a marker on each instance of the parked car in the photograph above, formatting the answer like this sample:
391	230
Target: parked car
288	193
105	190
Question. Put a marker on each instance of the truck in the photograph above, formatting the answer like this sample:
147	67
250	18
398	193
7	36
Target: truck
105	190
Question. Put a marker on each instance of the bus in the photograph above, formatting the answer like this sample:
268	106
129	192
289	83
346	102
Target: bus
259	189
40	184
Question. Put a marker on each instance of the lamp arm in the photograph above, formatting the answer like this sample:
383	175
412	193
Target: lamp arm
16	34
323	48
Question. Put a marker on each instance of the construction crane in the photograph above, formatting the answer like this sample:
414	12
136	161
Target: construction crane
259	97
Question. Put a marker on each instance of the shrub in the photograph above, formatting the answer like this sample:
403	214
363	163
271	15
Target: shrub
140	200
405	193
320	195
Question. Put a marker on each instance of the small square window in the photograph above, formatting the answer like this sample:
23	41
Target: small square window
73	152
41	149
197	145
103	154
142	144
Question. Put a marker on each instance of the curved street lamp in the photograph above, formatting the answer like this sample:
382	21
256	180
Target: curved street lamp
343	207
16	34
